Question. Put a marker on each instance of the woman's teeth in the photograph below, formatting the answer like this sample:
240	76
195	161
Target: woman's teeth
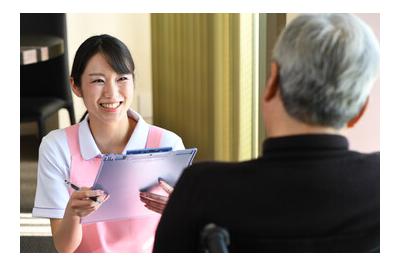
110	105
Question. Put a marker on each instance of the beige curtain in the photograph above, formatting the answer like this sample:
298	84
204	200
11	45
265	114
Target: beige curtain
270	26
204	83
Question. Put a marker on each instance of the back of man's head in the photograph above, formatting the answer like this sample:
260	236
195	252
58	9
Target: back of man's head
327	63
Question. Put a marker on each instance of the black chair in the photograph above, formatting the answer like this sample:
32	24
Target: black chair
214	239
44	85
363	243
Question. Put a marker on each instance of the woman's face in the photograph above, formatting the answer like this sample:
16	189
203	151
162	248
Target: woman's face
106	94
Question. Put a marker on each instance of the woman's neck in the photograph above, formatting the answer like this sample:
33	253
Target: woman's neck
112	137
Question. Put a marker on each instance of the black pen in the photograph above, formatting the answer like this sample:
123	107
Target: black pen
75	187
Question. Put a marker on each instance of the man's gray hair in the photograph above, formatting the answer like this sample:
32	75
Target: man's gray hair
327	64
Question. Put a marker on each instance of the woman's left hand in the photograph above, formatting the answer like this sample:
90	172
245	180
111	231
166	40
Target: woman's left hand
154	201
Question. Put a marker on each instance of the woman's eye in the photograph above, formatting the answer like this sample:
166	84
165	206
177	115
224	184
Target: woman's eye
123	78
98	81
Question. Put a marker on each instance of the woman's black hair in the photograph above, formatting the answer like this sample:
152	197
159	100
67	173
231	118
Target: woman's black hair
83	116
115	52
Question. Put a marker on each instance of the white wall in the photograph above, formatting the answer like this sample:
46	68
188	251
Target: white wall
134	30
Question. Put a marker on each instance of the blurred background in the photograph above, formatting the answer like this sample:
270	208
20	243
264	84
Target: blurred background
199	75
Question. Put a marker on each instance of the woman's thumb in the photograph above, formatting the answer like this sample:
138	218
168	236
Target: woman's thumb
165	185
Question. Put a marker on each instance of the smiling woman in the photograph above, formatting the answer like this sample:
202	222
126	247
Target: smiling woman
103	76
107	93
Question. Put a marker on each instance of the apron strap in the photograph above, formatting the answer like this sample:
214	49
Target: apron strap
73	139
154	137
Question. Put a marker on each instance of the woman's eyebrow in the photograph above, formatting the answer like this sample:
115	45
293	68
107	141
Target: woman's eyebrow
96	74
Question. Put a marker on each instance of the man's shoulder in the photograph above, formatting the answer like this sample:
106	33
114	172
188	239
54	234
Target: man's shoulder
374	155
368	158
216	166
218	170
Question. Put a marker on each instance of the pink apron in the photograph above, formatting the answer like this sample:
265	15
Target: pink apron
131	235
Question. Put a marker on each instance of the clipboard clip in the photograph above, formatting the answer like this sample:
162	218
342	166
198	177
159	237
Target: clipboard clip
113	157
149	150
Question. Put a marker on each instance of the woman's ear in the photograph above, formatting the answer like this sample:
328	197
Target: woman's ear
357	118
273	82
75	88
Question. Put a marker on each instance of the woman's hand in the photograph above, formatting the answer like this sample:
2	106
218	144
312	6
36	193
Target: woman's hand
67	232
154	201
80	203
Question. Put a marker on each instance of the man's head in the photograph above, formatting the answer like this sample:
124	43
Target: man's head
324	67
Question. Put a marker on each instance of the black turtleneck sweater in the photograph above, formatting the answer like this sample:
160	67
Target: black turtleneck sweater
306	193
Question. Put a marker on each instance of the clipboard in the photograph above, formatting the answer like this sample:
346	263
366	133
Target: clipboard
124	176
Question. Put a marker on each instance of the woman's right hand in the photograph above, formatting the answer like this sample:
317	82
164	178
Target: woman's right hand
67	232
80	203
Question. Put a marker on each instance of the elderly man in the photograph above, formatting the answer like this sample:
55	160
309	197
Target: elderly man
307	192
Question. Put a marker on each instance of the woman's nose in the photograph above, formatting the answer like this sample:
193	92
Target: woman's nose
110	90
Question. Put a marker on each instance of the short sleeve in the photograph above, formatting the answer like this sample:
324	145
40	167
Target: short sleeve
53	168
170	139
178	145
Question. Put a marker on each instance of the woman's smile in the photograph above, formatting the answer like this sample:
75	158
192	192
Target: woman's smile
111	106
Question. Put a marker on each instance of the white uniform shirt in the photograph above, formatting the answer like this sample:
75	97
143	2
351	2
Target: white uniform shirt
55	160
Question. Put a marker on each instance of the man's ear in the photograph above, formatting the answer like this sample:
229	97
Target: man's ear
75	88
357	118
273	82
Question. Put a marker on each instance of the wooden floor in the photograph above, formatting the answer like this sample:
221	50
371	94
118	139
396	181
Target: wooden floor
32	226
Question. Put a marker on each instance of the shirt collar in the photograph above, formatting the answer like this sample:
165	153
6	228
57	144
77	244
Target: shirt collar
89	149
306	142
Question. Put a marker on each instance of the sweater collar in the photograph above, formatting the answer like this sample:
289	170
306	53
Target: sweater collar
306	142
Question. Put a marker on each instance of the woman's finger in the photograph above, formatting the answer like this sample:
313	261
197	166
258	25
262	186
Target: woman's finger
154	203
82	203
153	197
158	210
100	200
165	185
85	193
91	193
